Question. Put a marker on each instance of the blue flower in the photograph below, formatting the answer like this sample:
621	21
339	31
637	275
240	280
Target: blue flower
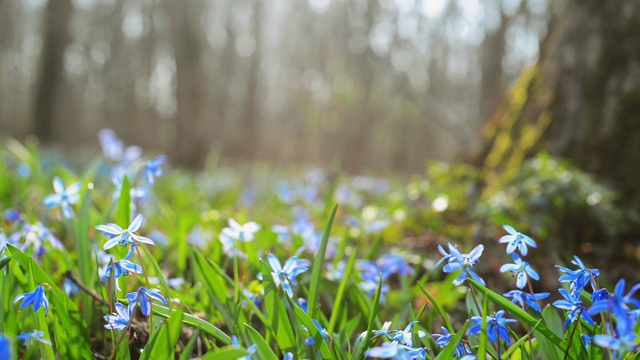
6	347
579	278
403	337
152	168
251	349
496	327
288	356
396	351
242	233
516	240
465	262
124	267
443	340
63	197
35	335
524	298
284	276
325	334
120	319
617	303
575	307
37	298
124	237
229	247
142	297
391	264
520	269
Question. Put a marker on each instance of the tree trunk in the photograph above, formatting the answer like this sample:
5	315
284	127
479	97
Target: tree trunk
581	102
56	37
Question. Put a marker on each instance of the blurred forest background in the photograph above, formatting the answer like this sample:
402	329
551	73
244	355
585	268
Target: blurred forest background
373	85
377	85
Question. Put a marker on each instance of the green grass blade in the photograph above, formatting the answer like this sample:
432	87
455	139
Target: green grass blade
316	272
313	331
449	350
483	338
226	353
439	309
190	320
338	303
123	209
363	342
165	340
188	350
515	346
263	351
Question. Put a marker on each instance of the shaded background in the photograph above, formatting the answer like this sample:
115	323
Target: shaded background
376	85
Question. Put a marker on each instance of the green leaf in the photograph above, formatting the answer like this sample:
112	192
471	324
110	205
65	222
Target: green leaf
313	331
226	353
449	350
551	318
83	253
216	285
363	342
277	312
316	272
123	210
186	352
190	320
519	313
516	346
163	343
264	350
483	338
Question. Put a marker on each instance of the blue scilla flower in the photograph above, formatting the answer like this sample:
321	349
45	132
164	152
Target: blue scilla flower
32	336
152	168
229	247
63	197
579	278
391	264
35	236
523	298
403	337
442	340
575	307
288	356
124	267
496	327
251	349
284	276
370	287
465	262
325	334
37	298
124	236
617	303
242	233
521	270
623	341
142	297
516	240
395	351
120	319
6	347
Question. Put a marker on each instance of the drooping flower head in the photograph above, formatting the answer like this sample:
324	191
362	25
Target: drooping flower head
64	197
152	168
124	236
37	298
465	262
285	276
521	270
124	267
403	337
579	278
523	298
142	297
32	336
120	319
496	327
516	240
442	340
575	307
